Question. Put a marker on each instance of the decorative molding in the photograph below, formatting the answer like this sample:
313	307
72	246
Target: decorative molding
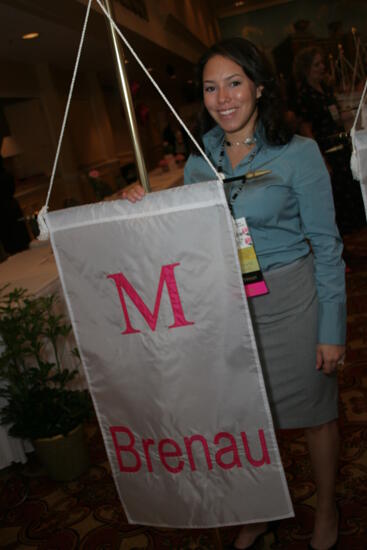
138	7
224	10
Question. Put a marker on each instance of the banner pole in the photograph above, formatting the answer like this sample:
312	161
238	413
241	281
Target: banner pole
218	539
130	115
126	99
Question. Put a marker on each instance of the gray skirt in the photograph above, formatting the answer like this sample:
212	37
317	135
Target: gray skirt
285	325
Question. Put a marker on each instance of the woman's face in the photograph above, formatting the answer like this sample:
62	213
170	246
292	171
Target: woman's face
230	96
317	69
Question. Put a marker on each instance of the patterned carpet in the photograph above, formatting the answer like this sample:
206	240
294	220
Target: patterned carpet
38	513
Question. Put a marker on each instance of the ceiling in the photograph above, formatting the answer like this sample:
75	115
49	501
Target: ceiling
59	24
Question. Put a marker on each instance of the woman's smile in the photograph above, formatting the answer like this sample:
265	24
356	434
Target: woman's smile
226	112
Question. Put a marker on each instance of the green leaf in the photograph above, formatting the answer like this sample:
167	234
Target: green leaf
40	400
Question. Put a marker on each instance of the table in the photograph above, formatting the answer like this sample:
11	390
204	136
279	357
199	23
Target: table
160	180
34	269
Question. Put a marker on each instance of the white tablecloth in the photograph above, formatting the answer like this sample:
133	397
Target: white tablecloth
35	270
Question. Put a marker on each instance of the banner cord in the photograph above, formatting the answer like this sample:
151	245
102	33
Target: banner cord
44	233
354	164
359	107
68	103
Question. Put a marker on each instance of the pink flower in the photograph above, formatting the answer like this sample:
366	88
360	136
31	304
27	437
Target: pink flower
93	174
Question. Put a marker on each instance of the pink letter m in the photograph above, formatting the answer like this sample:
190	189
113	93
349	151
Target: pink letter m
167	276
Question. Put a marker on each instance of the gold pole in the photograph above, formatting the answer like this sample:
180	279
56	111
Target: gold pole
127	100
218	540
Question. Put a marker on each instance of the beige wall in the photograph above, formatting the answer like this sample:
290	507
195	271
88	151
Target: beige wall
28	124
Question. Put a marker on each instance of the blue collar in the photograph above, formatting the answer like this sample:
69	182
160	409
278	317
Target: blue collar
213	140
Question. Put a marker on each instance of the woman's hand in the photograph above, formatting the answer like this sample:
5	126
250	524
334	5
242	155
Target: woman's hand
328	357
133	192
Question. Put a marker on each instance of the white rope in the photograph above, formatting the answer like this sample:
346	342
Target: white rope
359	107
41	215
354	164
40	218
170	106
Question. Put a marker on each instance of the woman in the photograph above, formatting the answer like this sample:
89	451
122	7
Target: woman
300	323
315	102
320	118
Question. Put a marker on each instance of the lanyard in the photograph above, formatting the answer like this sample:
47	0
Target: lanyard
251	157
251	272
242	178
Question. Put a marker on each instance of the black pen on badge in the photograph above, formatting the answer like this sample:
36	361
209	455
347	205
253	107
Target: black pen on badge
248	176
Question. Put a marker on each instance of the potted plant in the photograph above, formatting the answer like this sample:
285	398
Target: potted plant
40	402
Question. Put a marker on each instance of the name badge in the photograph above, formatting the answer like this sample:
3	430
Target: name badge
251	273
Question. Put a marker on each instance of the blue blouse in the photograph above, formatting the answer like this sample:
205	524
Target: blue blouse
286	211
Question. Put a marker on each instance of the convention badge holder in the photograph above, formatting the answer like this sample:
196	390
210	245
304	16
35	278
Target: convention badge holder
252	276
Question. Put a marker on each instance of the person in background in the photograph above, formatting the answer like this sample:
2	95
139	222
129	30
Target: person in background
320	118
13	231
174	140
300	324
169	139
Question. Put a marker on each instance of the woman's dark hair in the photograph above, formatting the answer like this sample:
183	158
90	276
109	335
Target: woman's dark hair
255	65
303	61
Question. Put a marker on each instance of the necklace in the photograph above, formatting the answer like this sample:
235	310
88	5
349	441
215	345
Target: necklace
249	160
240	179
247	141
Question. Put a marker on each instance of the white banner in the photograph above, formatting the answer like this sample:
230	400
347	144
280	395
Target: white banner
157	303
359	168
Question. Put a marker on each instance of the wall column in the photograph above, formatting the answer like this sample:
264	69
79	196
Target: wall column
101	119
67	169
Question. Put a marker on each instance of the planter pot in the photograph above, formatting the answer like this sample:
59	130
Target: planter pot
64	457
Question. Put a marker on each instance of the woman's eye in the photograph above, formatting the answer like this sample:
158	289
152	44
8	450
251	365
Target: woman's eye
209	89
235	83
